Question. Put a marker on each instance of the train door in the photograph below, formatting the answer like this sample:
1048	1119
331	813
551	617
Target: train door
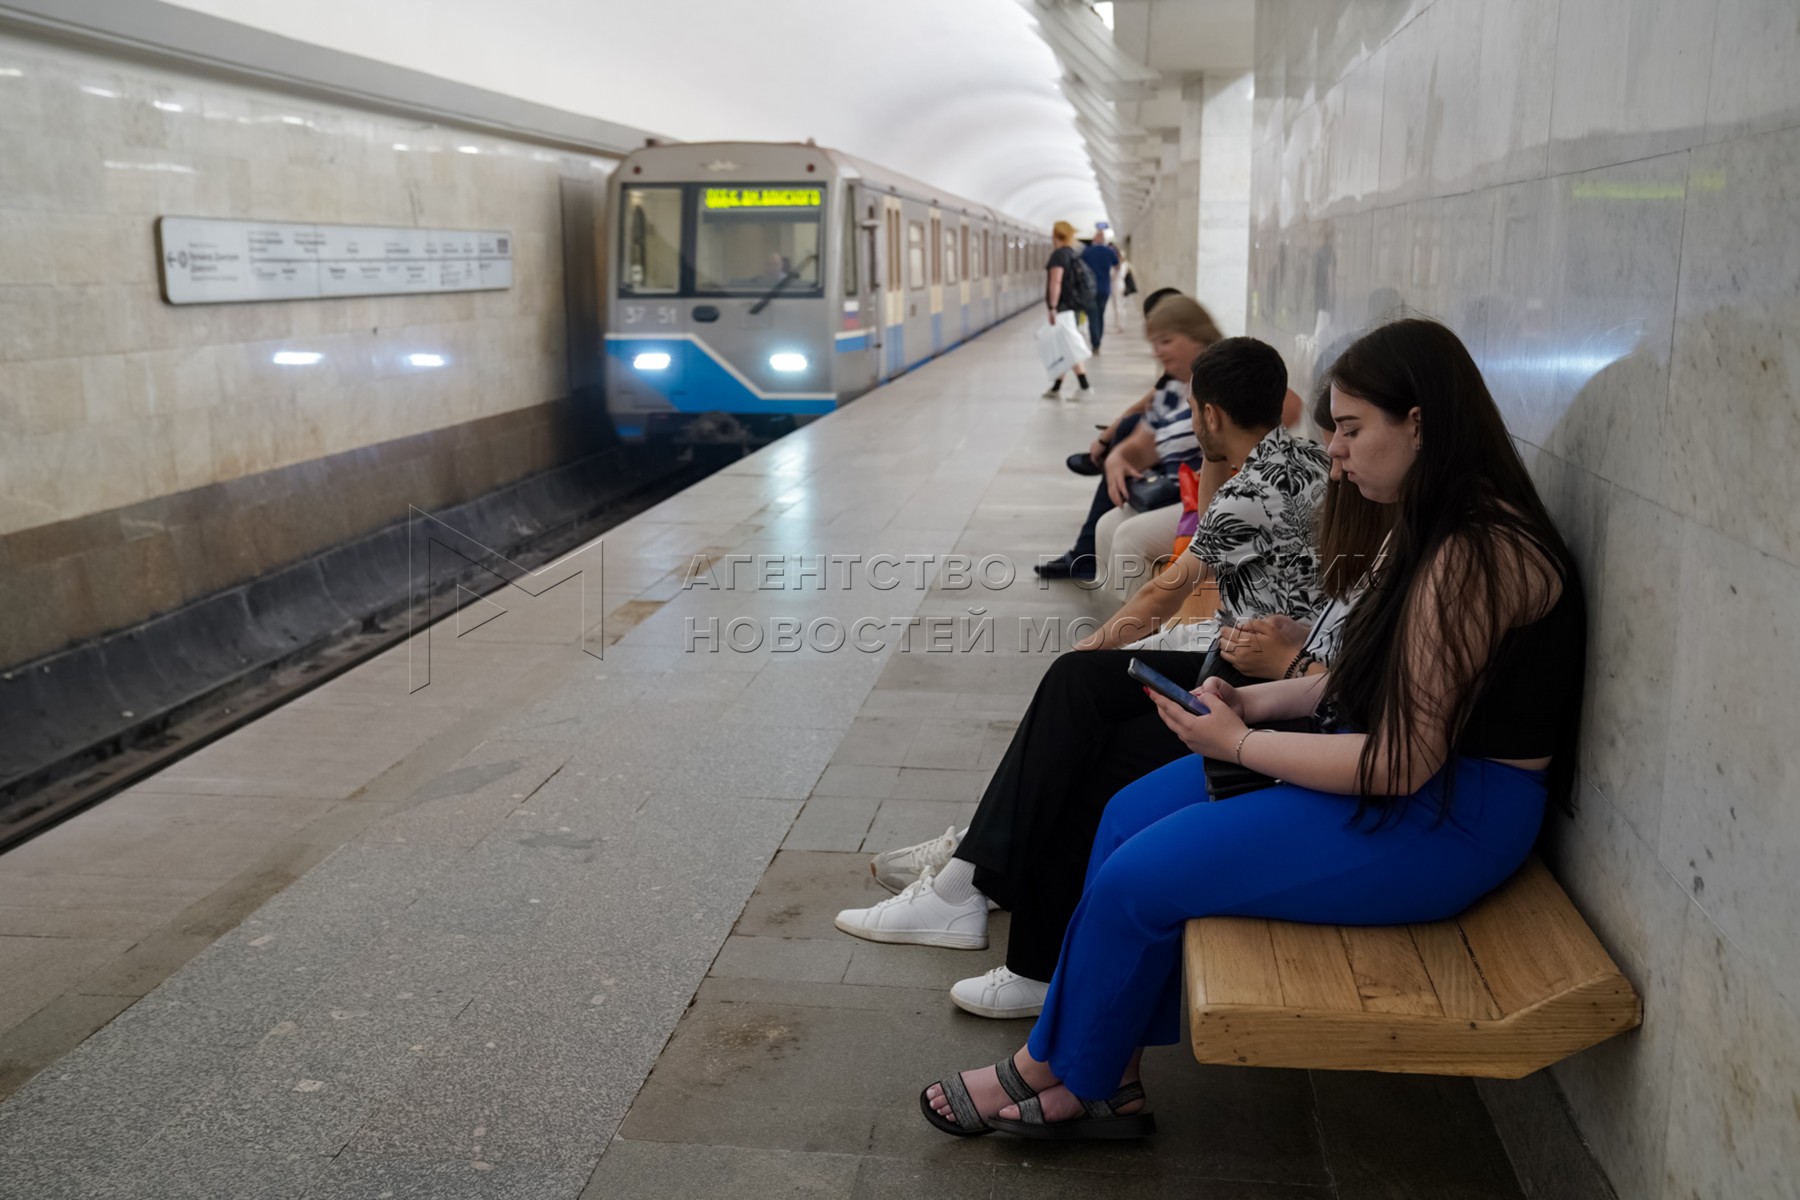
893	289
919	317
859	332
966	317
934	248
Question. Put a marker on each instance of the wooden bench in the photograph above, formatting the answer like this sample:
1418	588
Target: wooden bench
1514	984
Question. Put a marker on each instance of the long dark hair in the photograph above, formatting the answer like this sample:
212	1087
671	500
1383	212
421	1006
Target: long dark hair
1349	527
1465	494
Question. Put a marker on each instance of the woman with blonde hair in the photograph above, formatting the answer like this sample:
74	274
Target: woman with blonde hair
1059	292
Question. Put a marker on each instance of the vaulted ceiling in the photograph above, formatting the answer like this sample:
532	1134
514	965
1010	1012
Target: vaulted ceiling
960	93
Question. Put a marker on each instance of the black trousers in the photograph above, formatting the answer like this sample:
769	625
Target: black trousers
1103	504
1090	730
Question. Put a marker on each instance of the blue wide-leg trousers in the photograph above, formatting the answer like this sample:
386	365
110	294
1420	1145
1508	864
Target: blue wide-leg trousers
1164	853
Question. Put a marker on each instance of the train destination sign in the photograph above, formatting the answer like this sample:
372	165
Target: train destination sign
207	261
770	197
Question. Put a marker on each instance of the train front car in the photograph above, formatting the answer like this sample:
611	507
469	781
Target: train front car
726	283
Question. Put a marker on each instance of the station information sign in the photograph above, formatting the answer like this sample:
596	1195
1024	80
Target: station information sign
209	261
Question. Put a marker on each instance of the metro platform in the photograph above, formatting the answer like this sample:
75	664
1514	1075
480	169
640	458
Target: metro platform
538	905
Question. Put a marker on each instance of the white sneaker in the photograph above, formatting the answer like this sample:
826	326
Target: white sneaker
1000	993
918	916
1053	393
895	869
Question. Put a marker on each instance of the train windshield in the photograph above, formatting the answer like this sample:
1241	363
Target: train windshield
749	239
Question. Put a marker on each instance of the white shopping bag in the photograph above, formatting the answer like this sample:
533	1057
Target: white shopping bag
1062	346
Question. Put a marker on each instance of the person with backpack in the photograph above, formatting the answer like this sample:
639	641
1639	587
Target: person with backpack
1102	262
1064	291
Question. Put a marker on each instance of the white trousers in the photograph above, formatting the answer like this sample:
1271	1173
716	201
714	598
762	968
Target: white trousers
1129	545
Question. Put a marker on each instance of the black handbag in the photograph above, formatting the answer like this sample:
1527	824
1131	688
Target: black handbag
1154	489
1224	778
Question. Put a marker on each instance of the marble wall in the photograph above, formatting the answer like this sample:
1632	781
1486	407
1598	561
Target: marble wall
108	395
111	398
1603	198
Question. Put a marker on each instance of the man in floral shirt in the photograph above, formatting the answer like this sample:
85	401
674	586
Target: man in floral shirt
1256	537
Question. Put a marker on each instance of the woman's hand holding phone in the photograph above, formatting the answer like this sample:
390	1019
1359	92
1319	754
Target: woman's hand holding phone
1217	693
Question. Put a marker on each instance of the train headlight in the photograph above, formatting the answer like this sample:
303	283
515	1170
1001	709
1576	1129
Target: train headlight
651	360
788	362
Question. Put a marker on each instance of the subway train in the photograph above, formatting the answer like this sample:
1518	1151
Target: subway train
776	281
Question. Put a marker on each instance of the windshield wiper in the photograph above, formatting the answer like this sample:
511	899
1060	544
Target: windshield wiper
793	273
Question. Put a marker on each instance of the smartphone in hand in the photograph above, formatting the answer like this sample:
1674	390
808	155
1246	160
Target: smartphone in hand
1156	681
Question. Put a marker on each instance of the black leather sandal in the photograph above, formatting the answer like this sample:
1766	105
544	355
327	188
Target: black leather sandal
968	1122
1100	1119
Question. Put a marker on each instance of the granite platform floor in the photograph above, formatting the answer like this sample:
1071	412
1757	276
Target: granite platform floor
558	924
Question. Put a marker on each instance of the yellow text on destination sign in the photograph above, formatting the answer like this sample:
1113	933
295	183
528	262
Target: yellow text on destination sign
762	197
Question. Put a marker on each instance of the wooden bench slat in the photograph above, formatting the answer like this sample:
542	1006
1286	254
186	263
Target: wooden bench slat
1390	975
1240	962
1528	940
1460	991
1314	968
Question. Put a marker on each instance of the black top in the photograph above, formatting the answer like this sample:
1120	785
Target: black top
1532	700
1064	257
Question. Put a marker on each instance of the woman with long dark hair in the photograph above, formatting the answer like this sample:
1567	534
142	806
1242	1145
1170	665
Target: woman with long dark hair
1456	696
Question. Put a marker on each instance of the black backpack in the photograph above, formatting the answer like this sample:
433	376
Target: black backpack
1078	285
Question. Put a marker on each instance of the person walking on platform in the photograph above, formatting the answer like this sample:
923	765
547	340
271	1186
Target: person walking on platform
1063	292
1104	262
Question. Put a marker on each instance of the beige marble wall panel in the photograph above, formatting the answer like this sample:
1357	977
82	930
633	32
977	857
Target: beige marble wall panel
1631	80
1737	345
1518	70
1754	84
1408	120
1523	338
1733	1129
1454	108
1639	913
1730	829
1633	593
96	149
1352	143
1620	262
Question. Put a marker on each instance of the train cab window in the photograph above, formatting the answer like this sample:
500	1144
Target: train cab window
652	229
750	247
950	256
915	255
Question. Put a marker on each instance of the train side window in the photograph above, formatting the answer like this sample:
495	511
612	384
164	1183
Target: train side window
968	267
652	233
987	243
950	256
915	255
848	250
937	249
893	249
